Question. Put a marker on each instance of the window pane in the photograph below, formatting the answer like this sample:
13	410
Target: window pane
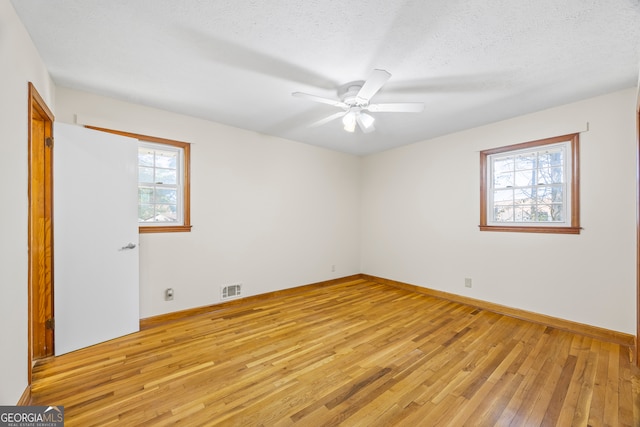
550	158
552	175
550	194
503	197
525	178
523	213
166	195
524	196
549	213
145	195
504	164
503	213
166	213
503	180
145	212
145	174
557	175
145	156
526	161
166	159
166	176
557	212
543	213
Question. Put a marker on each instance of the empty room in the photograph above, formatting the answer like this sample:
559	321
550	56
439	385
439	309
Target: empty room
371	213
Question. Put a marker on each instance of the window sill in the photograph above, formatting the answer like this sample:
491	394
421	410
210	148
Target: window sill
520	229
165	229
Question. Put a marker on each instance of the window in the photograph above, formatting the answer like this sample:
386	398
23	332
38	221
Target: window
531	187
159	184
163	183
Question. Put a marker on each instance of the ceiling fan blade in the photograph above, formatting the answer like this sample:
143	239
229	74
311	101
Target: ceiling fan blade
320	99
328	119
372	86
397	107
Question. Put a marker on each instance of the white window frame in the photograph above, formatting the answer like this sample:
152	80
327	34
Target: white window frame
570	187
178	186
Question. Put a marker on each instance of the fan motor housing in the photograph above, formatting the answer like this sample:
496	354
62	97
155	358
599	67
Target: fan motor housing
347	92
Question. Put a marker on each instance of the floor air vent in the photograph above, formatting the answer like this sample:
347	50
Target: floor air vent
231	291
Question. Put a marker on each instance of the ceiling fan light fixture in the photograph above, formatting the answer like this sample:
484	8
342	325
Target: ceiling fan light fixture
349	122
366	120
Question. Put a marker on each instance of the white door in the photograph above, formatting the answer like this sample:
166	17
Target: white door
96	295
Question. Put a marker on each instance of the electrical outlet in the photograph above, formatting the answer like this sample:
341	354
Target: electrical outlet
333	267
467	282
168	294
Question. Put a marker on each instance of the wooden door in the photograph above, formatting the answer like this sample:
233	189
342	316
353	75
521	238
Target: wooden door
41	336
637	349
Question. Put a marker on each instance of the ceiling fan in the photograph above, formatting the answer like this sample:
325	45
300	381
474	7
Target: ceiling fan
354	99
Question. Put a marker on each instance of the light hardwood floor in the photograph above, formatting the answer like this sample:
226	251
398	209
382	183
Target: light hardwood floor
353	353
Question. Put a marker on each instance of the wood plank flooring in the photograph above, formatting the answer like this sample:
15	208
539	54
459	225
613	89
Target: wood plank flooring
355	353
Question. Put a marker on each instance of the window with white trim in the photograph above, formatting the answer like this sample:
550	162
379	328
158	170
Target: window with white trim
531	187
160	184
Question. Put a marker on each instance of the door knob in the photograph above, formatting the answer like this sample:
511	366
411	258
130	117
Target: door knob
129	246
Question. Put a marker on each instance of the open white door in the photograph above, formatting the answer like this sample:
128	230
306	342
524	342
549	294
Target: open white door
96	293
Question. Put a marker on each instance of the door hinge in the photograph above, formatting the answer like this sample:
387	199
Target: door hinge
48	141
50	323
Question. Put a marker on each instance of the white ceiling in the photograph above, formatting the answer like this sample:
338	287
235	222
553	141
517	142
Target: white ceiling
237	62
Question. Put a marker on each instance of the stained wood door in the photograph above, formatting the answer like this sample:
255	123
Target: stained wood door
41	337
96	237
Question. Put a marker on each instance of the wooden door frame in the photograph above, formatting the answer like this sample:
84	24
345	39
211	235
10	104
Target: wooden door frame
637	349
39	114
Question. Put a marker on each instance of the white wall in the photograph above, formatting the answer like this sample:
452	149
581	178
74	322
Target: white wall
421	213
266	212
19	64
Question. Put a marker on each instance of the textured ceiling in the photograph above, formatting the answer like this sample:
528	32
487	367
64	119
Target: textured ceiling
237	62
